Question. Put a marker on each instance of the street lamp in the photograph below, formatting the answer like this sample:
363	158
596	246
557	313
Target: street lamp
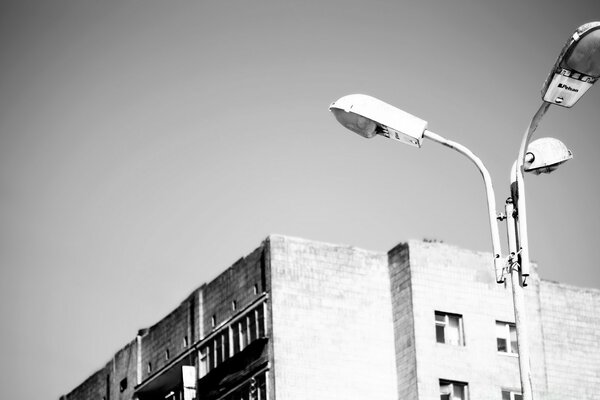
576	68
575	71
369	117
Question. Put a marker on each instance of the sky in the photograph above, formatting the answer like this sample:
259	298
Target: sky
145	146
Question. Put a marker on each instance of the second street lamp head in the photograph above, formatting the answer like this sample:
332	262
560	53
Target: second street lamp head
369	117
544	155
576	69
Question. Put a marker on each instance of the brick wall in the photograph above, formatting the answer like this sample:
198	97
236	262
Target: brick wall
94	387
124	373
243	282
171	336
332	322
404	334
453	280
106	383
571	318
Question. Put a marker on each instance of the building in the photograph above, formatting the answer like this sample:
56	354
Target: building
298	319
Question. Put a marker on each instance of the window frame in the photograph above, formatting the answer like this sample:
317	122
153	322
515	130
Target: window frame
445	325
506	326
454	384
512	393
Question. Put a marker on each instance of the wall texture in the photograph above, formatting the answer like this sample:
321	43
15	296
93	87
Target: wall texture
124	372
332	322
452	280
403	317
171	336
242	283
94	387
571	323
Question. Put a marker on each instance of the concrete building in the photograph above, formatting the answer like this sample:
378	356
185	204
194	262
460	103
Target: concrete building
298	319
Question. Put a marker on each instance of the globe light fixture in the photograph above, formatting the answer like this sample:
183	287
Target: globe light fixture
545	155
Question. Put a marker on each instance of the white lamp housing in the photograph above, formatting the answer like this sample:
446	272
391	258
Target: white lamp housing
369	116
576	69
544	155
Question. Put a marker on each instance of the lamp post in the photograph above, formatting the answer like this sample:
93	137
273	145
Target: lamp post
543	156
575	71
369	117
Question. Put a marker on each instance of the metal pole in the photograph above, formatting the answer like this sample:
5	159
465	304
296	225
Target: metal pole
519	263
517	238
518	302
491	200
518	190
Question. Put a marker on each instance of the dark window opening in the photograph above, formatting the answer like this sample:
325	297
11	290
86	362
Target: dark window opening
123	385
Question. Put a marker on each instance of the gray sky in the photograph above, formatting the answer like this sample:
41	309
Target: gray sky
147	145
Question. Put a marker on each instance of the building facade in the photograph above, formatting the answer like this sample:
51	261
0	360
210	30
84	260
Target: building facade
298	319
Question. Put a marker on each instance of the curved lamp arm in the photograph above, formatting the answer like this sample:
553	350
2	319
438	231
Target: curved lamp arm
518	189
491	199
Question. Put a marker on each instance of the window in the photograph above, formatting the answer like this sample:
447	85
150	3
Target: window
213	320
214	352
243	329
185	341
253	389
450	390
251	326
449	328
511	395
232	339
506	337
235	334
123	385
234	305
221	343
260	317
248	328
205	360
149	369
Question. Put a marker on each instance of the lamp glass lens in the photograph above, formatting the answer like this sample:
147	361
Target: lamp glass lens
356	123
585	57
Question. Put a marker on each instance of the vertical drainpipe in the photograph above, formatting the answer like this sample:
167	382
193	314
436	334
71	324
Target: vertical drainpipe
138	346
200	324
200	313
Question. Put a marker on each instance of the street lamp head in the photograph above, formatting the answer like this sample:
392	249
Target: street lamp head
365	127
545	155
576	69
368	117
